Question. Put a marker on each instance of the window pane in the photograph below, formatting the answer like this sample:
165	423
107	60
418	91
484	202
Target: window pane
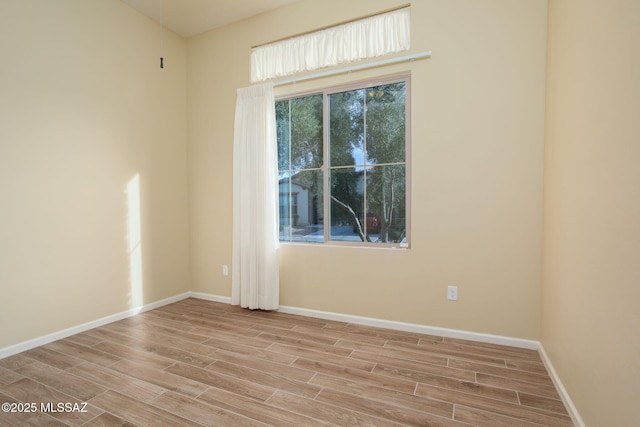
283	129
347	203
346	128
301	208
285	214
385	118
306	132
386	201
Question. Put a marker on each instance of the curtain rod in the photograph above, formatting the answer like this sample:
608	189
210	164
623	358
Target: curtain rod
399	59
371	15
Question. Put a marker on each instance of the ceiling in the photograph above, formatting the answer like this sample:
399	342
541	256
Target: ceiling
191	17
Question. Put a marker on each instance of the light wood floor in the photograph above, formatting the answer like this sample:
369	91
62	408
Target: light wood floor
203	363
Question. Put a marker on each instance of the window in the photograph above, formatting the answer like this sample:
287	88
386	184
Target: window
342	164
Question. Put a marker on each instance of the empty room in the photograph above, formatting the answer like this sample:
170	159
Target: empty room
320	212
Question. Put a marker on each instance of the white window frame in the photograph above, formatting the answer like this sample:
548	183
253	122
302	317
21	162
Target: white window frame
326	92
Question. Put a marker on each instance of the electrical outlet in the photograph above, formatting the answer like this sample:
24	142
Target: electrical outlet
225	270
452	293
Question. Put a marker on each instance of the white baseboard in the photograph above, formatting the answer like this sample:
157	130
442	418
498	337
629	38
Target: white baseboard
368	321
210	297
46	339
390	324
413	327
564	394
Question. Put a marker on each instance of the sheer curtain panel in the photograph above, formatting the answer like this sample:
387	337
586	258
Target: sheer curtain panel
362	39
255	280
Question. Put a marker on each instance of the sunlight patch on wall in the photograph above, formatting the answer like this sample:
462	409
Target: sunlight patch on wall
134	241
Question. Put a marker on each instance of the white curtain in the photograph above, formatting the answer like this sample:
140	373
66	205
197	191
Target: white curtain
255	280
365	38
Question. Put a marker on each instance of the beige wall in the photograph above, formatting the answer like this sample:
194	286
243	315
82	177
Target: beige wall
477	163
84	107
591	281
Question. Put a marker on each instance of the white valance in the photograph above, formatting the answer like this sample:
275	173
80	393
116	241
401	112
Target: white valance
365	38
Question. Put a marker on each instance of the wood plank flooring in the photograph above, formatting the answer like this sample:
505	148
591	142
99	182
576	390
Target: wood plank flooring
197	362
